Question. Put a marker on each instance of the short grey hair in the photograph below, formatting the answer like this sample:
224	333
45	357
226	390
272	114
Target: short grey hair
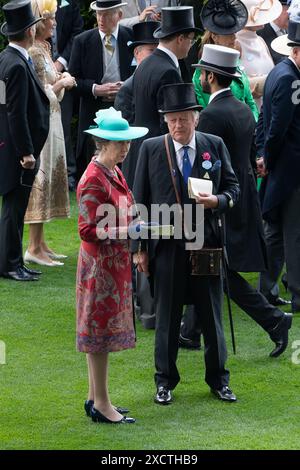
195	113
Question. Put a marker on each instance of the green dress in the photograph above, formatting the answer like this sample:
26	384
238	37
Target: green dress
240	88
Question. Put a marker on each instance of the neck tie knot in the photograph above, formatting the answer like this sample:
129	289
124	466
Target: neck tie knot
186	164
108	44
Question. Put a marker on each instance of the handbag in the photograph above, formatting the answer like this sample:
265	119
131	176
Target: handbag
204	262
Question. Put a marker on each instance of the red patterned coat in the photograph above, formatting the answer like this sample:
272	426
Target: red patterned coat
104	284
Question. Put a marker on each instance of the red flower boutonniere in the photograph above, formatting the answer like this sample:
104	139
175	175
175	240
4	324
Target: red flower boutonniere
206	156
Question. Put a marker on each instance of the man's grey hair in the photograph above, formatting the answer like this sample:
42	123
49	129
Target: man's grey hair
194	111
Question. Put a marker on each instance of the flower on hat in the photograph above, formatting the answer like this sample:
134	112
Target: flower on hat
294	11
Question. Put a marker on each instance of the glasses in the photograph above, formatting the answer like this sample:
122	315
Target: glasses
30	185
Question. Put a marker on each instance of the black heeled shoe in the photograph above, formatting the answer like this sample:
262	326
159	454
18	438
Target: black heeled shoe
98	417
88	405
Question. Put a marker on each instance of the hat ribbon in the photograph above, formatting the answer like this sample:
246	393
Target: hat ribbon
255	10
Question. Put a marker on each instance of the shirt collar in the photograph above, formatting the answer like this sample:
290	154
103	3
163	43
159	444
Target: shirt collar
23	51
113	33
191	144
298	68
216	93
276	29
169	53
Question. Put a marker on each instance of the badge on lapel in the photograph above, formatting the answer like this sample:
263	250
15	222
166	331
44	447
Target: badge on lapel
64	3
208	166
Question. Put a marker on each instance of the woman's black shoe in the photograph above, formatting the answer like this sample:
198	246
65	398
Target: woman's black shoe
88	405
100	418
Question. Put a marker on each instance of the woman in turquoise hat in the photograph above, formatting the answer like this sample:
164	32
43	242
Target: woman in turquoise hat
104	288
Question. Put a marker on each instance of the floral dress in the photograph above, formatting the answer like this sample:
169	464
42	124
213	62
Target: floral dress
49	197
104	284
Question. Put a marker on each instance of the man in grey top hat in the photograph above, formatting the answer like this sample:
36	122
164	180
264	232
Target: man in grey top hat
24	126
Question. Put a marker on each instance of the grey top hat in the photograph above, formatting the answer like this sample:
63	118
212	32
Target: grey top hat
100	5
176	20
19	17
219	59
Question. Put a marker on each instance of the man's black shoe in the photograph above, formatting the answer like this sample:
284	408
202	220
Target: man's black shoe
277	301
280	335
33	272
20	275
163	396
188	343
224	394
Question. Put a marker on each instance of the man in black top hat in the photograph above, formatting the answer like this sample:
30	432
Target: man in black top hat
160	180
143	45
24	126
233	121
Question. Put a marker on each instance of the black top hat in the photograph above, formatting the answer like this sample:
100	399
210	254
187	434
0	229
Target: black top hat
176	20
19	17
224	16
100	5
178	97
143	34
293	34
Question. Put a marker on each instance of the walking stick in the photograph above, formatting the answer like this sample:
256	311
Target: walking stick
224	257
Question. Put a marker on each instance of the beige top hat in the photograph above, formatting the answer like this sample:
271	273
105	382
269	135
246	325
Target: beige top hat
101	5
261	12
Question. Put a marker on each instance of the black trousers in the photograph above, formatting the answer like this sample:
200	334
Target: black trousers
247	298
14	205
172	285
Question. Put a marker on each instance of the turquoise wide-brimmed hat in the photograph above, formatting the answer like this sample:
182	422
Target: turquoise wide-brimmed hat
111	126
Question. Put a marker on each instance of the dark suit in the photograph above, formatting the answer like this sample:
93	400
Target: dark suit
169	261
86	65
268	34
154	72
69	23
24	125
124	100
280	192
233	121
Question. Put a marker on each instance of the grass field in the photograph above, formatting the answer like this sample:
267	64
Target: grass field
43	383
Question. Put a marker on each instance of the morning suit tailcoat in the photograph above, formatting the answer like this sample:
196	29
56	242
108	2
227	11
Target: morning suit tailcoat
24	126
24	116
69	24
281	129
233	121
153	73
169	260
124	101
86	65
268	34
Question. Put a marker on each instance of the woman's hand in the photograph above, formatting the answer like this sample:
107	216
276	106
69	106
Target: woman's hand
141	260
68	81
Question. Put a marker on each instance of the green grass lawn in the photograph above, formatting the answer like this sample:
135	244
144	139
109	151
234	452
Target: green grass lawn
43	384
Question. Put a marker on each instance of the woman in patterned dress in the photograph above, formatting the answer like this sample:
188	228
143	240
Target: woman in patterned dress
49	197
104	287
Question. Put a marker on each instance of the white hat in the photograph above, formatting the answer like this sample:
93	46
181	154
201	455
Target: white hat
219	59
283	44
102	5
261	12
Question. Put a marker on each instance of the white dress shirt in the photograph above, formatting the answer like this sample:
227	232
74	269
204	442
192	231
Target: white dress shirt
23	51
179	152
216	93
170	54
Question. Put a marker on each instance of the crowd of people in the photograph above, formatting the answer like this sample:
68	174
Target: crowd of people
148	121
